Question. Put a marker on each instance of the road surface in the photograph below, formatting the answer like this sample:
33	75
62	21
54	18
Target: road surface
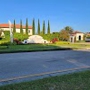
16	65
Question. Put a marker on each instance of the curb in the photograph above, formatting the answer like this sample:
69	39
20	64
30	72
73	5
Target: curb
23	51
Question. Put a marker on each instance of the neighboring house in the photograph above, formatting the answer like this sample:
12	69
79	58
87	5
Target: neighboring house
87	37
5	27
76	36
2	35
87	34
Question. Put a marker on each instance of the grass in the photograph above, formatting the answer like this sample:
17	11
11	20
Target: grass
78	45
37	47
76	81
42	47
18	36
29	47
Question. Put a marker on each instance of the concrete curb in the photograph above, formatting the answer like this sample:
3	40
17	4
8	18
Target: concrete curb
23	51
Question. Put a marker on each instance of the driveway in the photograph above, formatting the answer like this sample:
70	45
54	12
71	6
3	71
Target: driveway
31	64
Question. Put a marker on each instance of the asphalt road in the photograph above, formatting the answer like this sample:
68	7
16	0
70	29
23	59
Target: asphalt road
21	64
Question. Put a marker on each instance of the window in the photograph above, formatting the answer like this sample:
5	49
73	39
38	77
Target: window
28	31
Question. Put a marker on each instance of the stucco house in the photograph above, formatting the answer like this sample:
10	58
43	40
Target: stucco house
5	27
2	35
87	37
76	36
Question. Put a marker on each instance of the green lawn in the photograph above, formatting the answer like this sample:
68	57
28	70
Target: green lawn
37	47
29	47
76	81
41	47
78	45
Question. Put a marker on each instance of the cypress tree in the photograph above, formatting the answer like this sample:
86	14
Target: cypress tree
43	27
33	27
14	27
21	29
48	31
26	26
38	27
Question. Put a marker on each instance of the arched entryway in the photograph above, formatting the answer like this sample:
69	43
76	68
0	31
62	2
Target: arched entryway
79	38
71	39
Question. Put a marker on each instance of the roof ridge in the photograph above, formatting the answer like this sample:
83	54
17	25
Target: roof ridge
6	25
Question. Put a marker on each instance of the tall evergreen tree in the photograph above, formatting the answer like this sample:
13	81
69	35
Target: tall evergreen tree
48	31
43	27
38	27
21	29
33	27
26	26
14	27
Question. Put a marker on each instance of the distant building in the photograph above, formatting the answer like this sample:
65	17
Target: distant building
87	37
2	35
5	27
76	36
87	34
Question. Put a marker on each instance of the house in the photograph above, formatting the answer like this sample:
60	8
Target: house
5	27
76	36
87	37
2	35
87	34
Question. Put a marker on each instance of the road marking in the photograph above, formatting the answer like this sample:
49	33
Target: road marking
77	63
42	74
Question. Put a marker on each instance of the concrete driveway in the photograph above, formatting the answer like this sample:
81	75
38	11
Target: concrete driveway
22	65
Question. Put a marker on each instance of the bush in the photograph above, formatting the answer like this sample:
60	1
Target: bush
16	41
51	36
5	43
54	40
20	36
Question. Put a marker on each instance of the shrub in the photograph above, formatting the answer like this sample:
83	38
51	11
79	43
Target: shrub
16	41
5	43
54	40
50	36
20	36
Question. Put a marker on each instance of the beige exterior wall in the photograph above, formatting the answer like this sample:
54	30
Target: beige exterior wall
71	39
30	32
76	37
18	30
6	29
79	35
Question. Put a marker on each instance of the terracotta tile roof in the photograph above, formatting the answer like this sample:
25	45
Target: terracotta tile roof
74	33
17	26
